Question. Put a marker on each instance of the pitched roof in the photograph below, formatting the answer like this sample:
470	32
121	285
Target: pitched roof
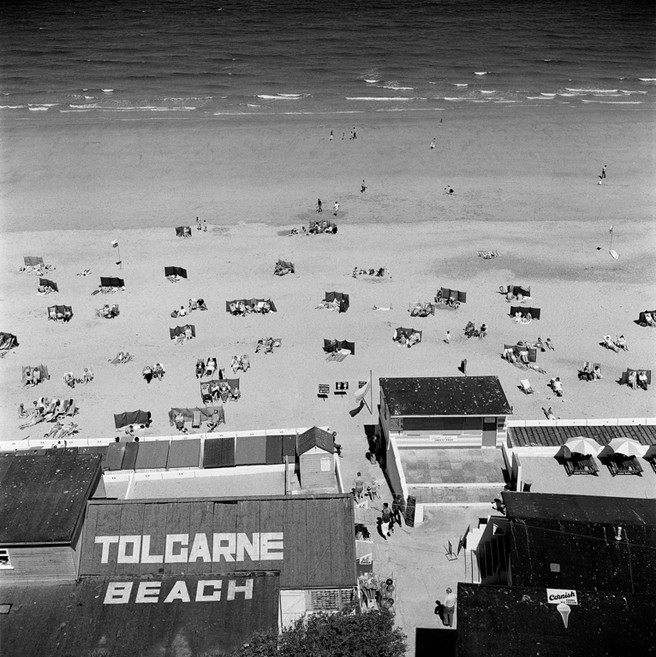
547	436
315	437
71	618
445	395
317	534
502	621
43	497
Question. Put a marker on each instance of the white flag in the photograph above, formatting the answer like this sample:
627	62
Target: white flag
364	390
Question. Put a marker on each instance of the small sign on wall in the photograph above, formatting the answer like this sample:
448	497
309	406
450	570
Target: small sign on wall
556	596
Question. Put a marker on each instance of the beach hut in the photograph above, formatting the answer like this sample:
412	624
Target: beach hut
177	272
60	313
283	267
316	449
112	282
132	417
183	231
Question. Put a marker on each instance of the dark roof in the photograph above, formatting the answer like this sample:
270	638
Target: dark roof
581	508
315	437
445	395
66	619
317	533
43	497
578	532
501	621
546	436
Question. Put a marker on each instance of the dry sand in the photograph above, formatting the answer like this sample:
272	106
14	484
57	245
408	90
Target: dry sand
525	185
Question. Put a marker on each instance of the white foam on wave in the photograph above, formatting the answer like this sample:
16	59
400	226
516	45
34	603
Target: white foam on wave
629	93
85	106
459	84
12	106
43	104
480	72
647	79
371	81
485	91
382	98
281	96
614	102
70	111
38	109
410	109
107	91
395	86
452	100
593	91
540	97
548	95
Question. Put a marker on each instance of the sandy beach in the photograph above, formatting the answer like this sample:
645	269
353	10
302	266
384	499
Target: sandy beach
535	200
525	187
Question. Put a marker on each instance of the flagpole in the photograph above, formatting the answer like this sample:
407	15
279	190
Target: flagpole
371	391
120	261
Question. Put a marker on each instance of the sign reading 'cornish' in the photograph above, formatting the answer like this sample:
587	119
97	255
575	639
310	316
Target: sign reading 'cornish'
556	596
187	548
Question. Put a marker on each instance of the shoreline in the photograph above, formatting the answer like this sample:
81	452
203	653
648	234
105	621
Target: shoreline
507	165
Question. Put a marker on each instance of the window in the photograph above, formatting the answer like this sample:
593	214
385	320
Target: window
5	561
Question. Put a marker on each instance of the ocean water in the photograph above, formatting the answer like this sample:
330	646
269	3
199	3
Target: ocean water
221	58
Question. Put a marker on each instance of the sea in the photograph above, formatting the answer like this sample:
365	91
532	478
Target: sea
218	58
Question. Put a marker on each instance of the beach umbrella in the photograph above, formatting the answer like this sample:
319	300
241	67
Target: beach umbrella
582	445
626	446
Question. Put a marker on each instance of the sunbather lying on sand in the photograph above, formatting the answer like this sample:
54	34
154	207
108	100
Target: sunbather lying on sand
621	343
557	386
382	308
609	344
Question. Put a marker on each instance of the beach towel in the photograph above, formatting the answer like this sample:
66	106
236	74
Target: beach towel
488	255
33	261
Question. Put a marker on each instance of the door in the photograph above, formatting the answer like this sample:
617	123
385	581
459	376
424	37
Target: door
489	432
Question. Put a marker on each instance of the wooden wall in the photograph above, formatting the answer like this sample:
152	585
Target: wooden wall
311	473
37	564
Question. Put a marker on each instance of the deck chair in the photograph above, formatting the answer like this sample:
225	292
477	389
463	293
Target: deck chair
195	422
324	391
341	387
449	553
526	386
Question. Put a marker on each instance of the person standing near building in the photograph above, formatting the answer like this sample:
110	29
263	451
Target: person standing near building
385	521
358	487
397	509
449	607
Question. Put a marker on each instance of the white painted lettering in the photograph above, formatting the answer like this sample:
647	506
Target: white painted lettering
146	556
131	556
200	549
105	541
252	547
148	592
172	556
214	596
118	593
223	545
246	589
270	543
178	592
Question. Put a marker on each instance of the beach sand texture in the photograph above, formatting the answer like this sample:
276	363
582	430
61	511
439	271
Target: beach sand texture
525	187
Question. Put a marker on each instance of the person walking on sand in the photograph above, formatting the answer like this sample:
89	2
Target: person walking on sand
432	144
449	608
319	208
335	208
332	134
603	172
447	337
363	187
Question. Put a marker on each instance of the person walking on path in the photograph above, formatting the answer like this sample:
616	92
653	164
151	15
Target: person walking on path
397	509
385	521
449	608
358	488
